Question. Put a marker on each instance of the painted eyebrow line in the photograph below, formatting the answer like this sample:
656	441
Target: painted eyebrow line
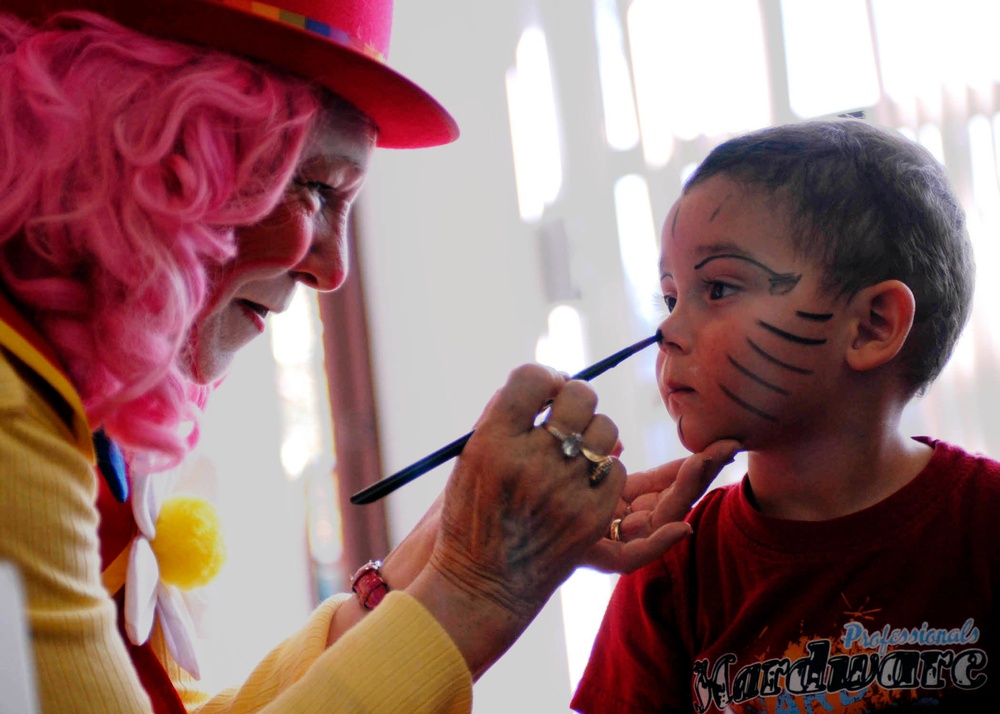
781	283
738	256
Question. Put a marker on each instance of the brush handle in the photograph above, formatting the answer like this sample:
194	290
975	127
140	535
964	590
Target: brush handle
383	488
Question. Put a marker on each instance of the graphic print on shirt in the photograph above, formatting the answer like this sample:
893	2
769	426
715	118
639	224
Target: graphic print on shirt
869	666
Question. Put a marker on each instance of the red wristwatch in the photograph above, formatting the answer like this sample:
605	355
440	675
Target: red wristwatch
368	584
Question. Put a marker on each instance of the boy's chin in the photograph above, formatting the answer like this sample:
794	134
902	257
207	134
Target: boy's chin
697	440
690	438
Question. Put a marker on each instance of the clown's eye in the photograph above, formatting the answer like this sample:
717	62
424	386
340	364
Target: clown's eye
323	191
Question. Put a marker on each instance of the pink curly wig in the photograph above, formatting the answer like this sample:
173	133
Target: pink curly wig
126	164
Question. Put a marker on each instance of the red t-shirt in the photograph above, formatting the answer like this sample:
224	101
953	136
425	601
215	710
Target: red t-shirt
889	607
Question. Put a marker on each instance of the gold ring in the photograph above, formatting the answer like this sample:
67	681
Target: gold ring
600	471
615	531
571	444
600	466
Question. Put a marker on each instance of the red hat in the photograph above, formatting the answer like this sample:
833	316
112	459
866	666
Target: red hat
341	44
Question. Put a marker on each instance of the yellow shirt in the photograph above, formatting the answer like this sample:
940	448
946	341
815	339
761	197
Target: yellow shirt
397	659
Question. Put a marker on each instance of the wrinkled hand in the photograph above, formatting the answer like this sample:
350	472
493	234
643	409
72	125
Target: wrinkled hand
402	565
518	516
653	506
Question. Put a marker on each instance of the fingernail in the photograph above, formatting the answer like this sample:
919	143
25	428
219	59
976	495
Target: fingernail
690	530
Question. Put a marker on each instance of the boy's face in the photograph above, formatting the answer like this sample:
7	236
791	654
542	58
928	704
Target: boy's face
752	348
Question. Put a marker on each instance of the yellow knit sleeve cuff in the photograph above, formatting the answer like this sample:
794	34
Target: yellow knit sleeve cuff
398	658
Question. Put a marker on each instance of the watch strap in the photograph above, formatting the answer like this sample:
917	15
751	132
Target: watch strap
369	585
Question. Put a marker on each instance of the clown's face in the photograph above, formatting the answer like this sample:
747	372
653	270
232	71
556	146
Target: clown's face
303	240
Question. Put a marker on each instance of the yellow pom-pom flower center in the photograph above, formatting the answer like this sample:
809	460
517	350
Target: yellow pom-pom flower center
188	545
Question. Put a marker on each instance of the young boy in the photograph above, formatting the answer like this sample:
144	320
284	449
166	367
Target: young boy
817	277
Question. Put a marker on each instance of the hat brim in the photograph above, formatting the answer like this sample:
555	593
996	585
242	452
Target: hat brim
406	115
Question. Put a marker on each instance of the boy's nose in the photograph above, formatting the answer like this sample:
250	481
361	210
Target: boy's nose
674	335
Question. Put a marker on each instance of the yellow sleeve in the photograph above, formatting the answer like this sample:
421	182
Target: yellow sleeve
48	529
397	659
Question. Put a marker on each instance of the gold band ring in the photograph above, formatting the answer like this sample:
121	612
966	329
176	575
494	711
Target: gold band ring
615	531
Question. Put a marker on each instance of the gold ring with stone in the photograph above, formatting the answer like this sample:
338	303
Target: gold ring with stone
571	444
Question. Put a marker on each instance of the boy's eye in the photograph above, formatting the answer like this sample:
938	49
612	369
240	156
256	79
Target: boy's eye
670	301
718	290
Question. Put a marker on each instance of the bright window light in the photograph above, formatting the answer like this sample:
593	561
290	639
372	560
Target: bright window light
930	138
652	42
562	347
926	44
983	165
638	244
301	383
620	125
534	129
831	62
910	67
685	85
584	597
984	223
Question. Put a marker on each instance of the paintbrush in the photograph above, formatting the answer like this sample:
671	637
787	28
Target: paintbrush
389	484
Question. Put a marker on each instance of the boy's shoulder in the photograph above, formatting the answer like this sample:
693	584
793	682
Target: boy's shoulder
959	464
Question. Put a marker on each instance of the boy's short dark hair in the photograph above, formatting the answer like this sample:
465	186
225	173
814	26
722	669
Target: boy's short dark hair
869	205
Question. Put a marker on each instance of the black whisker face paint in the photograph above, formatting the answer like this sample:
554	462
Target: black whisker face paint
774	360
814	316
757	378
749	407
797	339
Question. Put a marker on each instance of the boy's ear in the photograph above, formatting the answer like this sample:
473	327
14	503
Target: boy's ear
884	315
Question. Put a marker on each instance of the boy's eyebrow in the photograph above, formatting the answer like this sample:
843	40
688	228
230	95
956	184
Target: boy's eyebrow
718	250
781	283
724	249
